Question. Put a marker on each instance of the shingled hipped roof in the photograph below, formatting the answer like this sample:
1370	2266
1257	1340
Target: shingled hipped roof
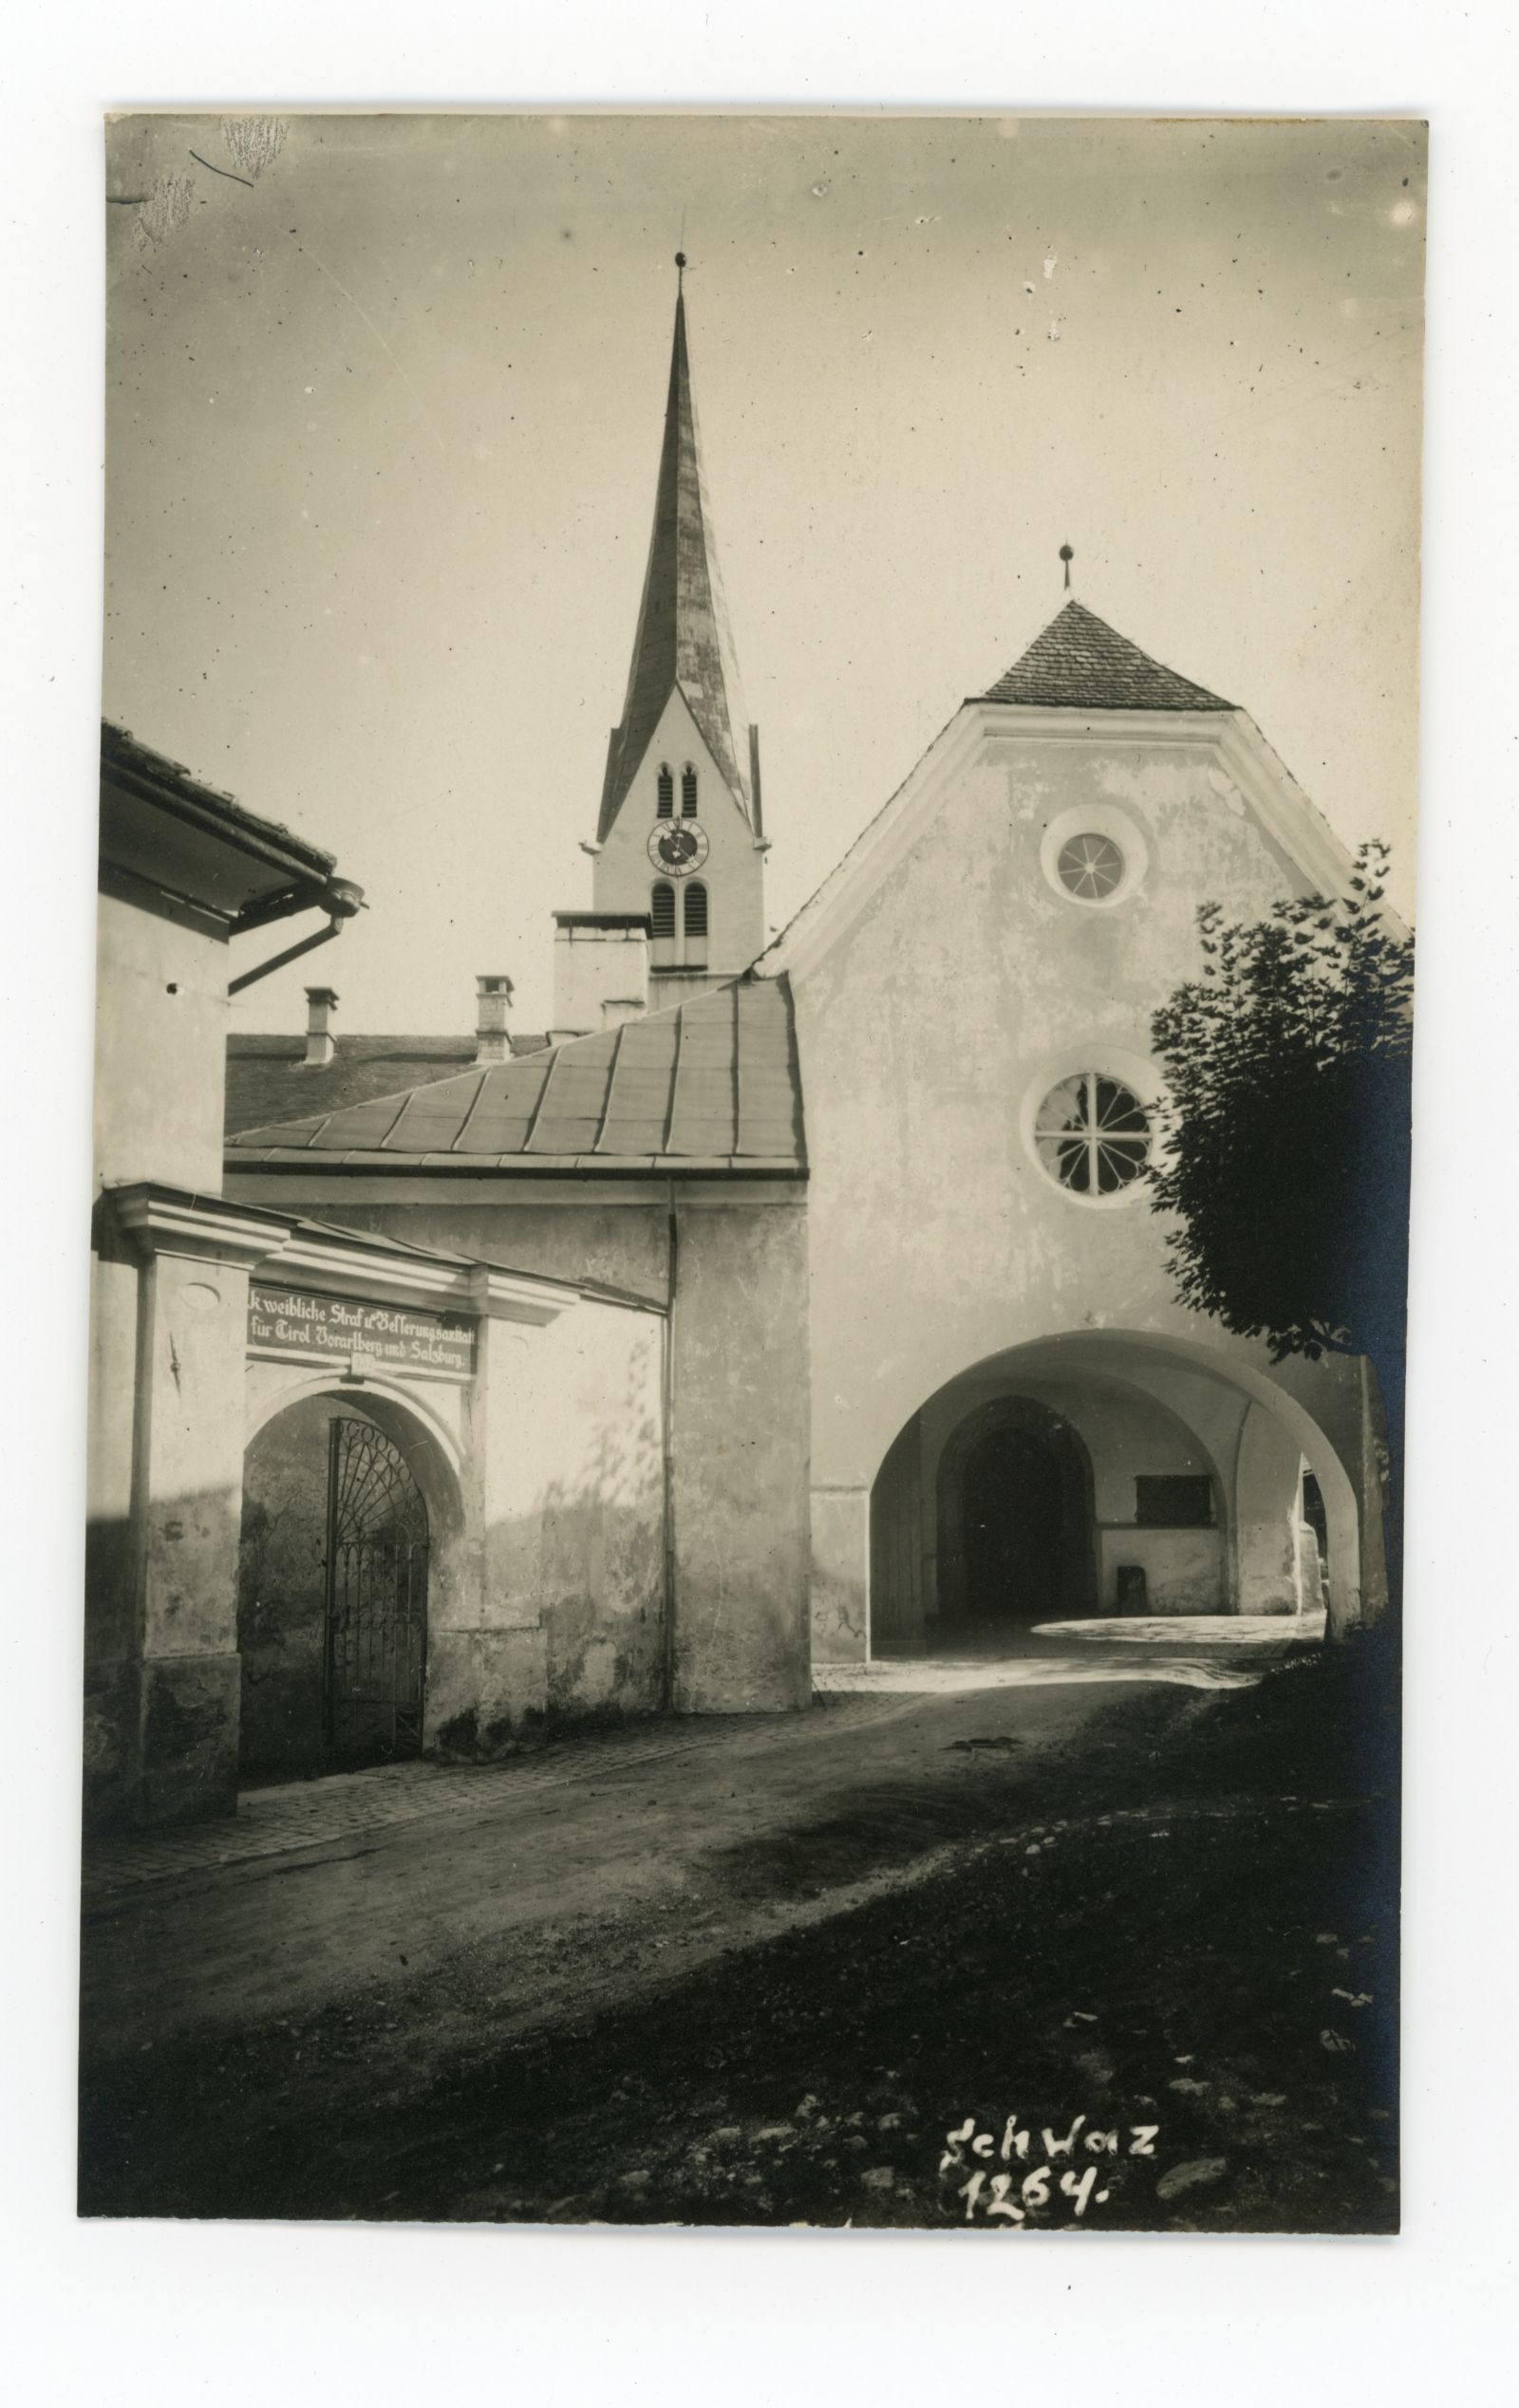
1080	663
710	1087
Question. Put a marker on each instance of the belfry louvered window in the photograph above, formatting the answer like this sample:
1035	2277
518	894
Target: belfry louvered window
688	793
696	920
666	792
661	910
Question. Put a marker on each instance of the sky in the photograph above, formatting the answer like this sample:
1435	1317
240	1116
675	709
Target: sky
383	407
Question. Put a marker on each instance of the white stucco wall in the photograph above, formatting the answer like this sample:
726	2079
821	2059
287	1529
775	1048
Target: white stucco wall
544	1483
160	1037
930	1023
600	979
740	1389
572	1496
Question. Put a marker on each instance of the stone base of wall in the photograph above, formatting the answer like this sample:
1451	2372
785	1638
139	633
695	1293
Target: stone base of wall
763	1680
486	1689
187	1765
1183	1569
838	1634
111	1743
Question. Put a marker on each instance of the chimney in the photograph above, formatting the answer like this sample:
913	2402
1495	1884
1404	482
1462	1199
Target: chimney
600	970
320	1043
493	994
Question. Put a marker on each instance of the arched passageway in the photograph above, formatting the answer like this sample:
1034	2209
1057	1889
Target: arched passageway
1100	1474
335	1563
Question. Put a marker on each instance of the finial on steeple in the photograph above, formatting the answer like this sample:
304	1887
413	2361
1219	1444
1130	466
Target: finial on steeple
1067	555
680	272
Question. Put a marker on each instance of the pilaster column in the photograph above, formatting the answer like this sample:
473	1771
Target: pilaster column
187	1489
841	1576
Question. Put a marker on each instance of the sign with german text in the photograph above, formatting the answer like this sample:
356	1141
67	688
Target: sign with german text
288	1321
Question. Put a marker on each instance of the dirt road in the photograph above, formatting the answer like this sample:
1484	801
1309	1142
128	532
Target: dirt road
755	1971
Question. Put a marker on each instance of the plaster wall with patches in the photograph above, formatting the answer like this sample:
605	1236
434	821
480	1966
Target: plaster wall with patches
943	987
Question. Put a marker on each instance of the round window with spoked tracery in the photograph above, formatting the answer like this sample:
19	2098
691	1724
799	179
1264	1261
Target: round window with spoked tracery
1091	1135
1090	867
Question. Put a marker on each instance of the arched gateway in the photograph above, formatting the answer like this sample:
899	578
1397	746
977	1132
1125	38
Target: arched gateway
334	1567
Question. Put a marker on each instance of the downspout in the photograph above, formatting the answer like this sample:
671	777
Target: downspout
341	900
667	1418
292	953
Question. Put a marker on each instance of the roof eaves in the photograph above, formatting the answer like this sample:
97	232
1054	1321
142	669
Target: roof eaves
170	785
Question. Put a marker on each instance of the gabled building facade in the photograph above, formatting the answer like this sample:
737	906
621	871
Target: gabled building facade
1008	1403
926	1386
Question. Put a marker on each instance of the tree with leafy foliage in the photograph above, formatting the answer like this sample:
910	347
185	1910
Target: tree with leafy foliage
1286	1128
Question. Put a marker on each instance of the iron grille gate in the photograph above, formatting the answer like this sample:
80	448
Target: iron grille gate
376	1657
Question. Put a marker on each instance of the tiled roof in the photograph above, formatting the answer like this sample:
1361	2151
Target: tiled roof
166	833
268	1078
1080	663
710	1087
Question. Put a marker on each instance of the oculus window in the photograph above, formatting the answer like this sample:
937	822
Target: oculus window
1091	1135
1090	867
1094	856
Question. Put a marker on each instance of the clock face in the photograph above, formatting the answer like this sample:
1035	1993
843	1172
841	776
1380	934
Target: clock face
677	846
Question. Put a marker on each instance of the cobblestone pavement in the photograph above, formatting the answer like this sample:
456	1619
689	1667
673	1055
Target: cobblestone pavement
311	1814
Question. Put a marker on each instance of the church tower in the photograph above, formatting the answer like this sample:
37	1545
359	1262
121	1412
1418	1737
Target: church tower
680	841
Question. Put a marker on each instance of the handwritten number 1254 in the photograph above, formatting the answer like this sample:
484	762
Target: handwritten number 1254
1033	2192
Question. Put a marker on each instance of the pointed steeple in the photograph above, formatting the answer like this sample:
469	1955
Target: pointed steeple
684	637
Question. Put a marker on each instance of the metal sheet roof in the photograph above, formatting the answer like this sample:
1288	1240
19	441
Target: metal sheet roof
711	1086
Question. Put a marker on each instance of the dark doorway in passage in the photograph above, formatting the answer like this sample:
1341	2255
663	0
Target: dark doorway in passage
1016	1525
1011	1488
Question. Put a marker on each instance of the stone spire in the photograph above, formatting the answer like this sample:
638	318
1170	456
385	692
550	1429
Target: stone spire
683	638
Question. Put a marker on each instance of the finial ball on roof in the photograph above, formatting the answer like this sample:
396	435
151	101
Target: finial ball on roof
680	259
